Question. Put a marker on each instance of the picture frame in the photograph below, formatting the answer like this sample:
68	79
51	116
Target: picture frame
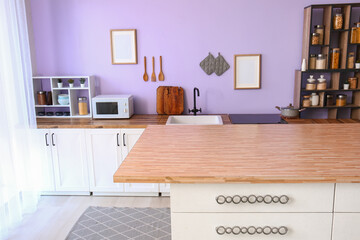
247	71
123	46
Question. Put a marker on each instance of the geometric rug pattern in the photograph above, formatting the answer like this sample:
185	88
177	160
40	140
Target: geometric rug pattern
122	223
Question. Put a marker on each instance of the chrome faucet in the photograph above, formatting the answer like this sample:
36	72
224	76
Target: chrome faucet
195	110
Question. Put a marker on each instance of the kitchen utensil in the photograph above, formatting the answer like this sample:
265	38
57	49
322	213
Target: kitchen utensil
161	74
169	100
174	101
63	99
153	76
160	99
145	77
290	111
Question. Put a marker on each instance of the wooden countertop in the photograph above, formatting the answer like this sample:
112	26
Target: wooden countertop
284	153
136	121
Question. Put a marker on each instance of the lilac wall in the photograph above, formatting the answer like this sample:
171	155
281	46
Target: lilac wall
72	37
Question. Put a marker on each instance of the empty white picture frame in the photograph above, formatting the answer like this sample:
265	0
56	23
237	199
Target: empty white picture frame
247	71
123	46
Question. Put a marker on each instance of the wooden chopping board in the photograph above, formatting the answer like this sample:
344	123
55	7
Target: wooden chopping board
169	100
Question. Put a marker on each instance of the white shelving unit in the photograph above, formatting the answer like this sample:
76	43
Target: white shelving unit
49	84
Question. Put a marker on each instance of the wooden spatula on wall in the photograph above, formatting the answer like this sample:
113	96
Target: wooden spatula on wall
145	77
161	74
153	76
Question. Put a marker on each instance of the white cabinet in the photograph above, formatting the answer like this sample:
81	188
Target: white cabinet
104	157
347	197
64	165
129	138
346	226
69	158
164	189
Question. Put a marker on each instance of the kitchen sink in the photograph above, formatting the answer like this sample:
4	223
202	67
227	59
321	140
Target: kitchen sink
195	120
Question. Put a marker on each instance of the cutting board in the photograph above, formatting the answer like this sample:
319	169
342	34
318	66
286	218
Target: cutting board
169	100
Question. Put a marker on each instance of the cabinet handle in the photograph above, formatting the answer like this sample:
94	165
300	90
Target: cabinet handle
267	199
52	139
46	141
124	140
117	139
251	230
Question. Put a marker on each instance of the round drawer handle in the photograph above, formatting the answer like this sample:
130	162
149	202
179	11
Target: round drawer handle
275	199
274	230
228	199
244	230
236	199
220	230
268	199
259	230
251	230
267	230
259	199
252	199
228	230
236	230
244	199
283	230
220	199
284	199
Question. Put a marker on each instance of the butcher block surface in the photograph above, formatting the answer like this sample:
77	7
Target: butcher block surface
284	153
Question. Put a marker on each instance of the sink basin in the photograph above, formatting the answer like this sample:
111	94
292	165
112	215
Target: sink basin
195	120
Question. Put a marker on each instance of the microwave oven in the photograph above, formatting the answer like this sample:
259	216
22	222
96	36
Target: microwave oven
113	106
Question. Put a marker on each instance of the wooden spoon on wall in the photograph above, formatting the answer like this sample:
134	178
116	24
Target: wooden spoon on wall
161	74
145	77
153	76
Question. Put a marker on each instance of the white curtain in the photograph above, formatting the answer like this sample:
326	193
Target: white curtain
19	171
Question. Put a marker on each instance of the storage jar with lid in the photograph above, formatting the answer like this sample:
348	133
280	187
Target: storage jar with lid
353	82
320	61
357	32
353	35
306	101
329	100
312	61
320	30
351	60
83	109
341	100
311	85
41	97
338	21
321	85
315	99
335	58
315	39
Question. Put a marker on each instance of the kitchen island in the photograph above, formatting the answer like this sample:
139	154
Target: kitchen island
273	181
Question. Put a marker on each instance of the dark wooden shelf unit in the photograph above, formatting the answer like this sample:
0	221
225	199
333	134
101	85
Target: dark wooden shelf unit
323	15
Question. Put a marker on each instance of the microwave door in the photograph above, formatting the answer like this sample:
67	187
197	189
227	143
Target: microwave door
107	109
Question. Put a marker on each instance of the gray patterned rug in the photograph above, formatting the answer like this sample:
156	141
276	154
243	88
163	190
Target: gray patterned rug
122	223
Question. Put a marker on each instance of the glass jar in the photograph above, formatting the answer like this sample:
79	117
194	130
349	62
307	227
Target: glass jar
357	32
338	21
82	103
315	99
351	60
312	61
311	85
315	39
41	97
306	101
353	82
341	100
353	35
49	98
335	58
320	30
329	100
321	83
320	61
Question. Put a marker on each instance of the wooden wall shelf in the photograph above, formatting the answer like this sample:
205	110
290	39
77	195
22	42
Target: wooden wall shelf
333	38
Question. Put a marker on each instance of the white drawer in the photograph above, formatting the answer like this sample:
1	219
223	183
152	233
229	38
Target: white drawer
301	226
346	226
202	197
347	197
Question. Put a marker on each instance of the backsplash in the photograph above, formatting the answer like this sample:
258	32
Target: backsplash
73	38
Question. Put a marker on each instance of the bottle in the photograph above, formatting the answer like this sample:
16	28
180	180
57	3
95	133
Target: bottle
321	83
314	99
335	58
310	85
312	61
351	60
320	30
303	65
320	61
353	35
82	103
